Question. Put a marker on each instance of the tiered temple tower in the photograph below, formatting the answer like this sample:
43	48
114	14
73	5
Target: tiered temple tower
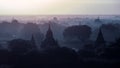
49	42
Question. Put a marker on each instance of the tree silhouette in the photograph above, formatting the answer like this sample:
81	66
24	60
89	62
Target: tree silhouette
81	32
20	46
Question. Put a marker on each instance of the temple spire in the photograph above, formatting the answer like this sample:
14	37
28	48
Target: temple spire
100	43
49	33
49	42
33	40
100	38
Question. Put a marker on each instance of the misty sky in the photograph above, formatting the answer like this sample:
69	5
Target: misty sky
57	7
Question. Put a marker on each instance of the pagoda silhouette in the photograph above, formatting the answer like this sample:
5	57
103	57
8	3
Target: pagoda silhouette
33	42
100	43
100	39
49	42
98	20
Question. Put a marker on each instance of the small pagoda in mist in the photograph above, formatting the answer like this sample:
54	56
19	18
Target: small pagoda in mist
98	20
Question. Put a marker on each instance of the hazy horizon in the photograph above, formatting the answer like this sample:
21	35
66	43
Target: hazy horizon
58	16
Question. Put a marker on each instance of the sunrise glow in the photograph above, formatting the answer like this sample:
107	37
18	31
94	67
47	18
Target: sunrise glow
41	7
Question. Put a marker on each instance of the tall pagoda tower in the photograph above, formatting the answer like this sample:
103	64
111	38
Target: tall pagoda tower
100	43
49	42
